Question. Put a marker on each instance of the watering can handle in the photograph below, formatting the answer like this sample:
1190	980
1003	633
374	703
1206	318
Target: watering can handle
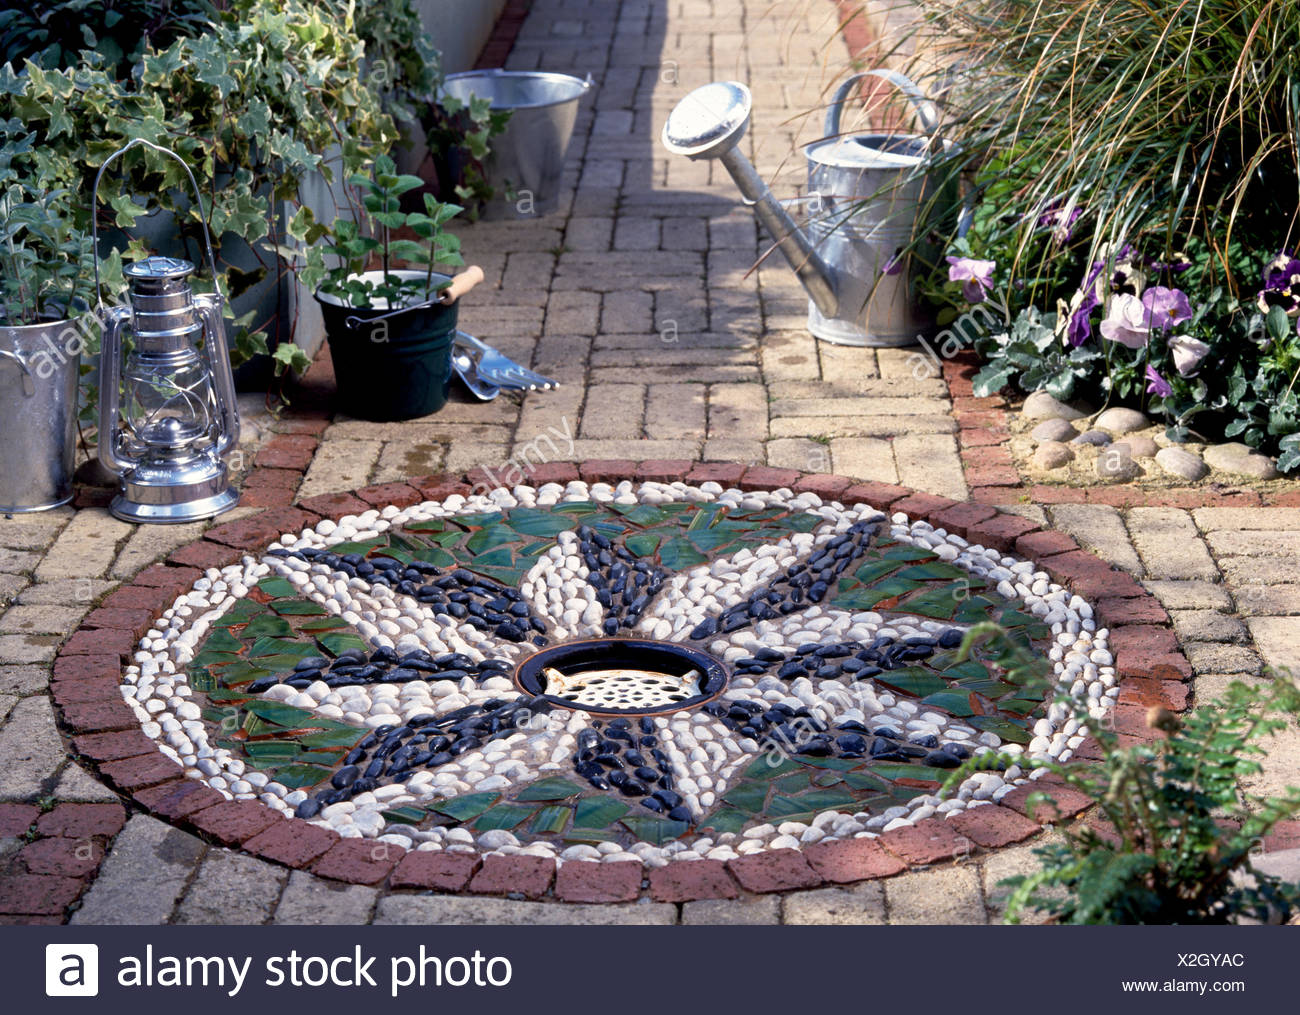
924	107
94	203
29	386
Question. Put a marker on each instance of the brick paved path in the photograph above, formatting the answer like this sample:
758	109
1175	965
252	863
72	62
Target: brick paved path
638	295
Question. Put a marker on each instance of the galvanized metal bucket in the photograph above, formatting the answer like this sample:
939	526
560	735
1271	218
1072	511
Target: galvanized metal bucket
39	367
526	161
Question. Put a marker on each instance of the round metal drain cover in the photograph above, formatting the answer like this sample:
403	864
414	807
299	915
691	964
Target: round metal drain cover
623	676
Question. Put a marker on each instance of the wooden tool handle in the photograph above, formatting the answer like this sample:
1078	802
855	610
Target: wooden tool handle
461	284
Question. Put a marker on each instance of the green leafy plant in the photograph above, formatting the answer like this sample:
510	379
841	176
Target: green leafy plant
459	135
357	242
1031	352
1176	832
43	255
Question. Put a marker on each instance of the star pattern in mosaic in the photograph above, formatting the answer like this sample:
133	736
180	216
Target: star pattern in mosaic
612	672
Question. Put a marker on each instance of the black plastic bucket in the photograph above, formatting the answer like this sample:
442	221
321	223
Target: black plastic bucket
390	368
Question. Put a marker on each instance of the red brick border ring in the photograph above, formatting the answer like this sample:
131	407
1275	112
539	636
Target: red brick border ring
104	731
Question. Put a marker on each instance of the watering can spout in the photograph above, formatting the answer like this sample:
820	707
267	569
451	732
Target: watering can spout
708	124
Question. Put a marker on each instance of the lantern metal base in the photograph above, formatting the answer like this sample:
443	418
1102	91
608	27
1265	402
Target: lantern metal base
175	493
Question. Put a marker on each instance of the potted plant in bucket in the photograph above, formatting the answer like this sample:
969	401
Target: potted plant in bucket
390	330
42	330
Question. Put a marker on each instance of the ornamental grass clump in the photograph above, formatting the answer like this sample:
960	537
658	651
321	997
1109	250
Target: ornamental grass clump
1135	182
1173	835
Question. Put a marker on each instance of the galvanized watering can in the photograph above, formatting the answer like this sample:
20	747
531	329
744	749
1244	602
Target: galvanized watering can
868	197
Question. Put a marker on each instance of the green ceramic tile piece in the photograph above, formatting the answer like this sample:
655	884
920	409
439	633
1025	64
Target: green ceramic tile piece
213	659
578	507
552	788
436	556
588	835
239	613
343	736
971	669
598	812
873	570
765	768
300	776
277	587
221	640
341	641
643	544
727	820
707	540
536	522
278	751
1019	706
550	820
319	624
899	770
747	796
1004	728
912	680
503	816
429	525
953	702
490	537
478	520
501	556
936	569
406	815
791	783
841	764
656	831
828	779
825	799
267	626
864	780
677	554
281	714
297	608
642	514
280	647
463	808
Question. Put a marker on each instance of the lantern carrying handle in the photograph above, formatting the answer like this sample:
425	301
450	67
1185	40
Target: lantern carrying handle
140	142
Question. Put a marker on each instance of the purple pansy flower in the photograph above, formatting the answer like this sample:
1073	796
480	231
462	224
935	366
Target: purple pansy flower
1157	385
1126	322
975	276
1281	285
1166	307
1187	353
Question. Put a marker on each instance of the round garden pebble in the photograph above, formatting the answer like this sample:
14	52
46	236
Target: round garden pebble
1182	464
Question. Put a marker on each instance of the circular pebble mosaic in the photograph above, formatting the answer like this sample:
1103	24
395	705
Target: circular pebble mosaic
589	671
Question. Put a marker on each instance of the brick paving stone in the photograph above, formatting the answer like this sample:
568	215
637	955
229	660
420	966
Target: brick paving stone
1215	657
1267	600
926	842
992	826
1016	861
761	910
1278	641
593	881
308	899
293	843
773	870
440	871
82	821
145	872
447	910
675	411
1060	801
929	462
31	748
863	904
66	858
529	876
864	458
131	774
1170	545
85	548
233	821
1208	625
37	894
179	799
15	819
950	895
358	861
999	532
79	786
230	888
1100	529
686	881
847	860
